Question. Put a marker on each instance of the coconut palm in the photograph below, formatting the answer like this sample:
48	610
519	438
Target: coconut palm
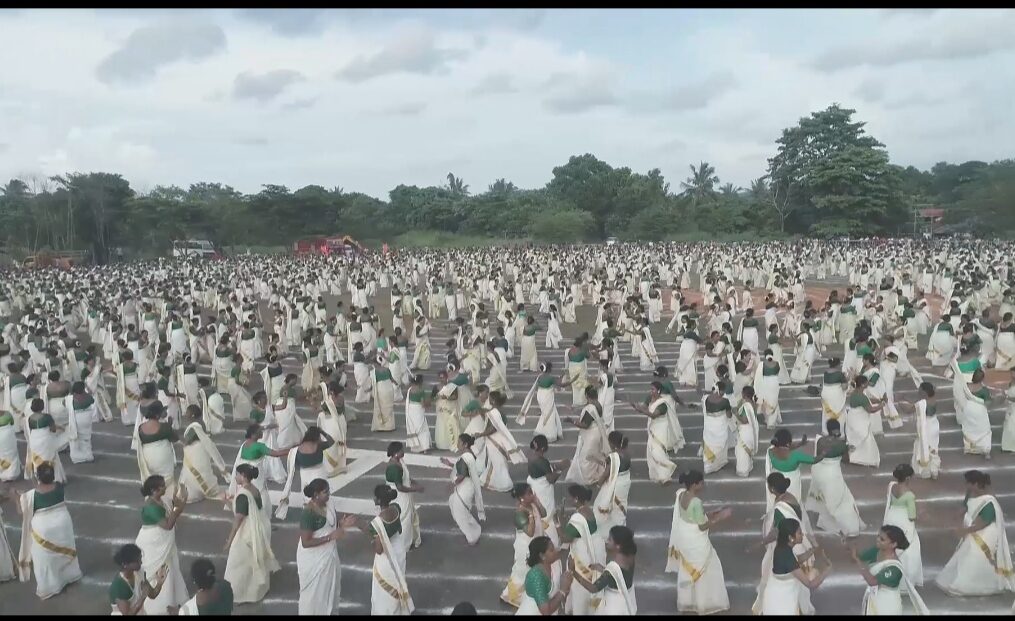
700	186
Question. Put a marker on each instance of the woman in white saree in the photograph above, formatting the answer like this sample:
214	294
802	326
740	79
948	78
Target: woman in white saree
250	562
331	420
43	442
527	361
886	576
317	561
587	549
130	588
497	380
528	522
466	491
577	370
971	402
981	564
828	494
417	402
421	353
776	564
154	441
397	477
615	486
239	397
128	389
716	413
588	463
660	433
97	388
542	475
202	462
542	588
446	429
80	407
900	511
926	460
616	582
213	597
785	591
701	586
389	593
383	392
501	448
10	458
859	421
833	392
805	355
222	363
942	345
48	548
687	370
746	432
157	540
1005	344
767	388
543	389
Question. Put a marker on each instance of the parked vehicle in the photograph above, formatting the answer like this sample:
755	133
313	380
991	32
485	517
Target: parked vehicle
201	248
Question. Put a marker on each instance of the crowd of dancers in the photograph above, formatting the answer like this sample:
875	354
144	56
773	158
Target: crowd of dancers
154	326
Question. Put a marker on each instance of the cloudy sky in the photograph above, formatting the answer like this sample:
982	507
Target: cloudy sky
368	99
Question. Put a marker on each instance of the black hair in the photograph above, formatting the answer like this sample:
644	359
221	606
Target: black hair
690	478
976	477
45	473
464	608
384	495
520	489
151	484
787	528
902	472
778	482
202	572
539	443
782	437
927	388
579	492
395	448
128	554
896	536
624	538
537	548
249	471
315	487
617	439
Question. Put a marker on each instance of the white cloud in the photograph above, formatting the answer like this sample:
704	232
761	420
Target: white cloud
418	96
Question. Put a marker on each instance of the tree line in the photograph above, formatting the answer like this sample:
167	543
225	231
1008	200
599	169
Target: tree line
827	177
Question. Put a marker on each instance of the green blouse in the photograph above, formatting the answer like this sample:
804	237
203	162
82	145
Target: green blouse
165	432
694	513
44	500
573	532
987	514
538	585
889	577
243	505
791	463
152	514
908	501
255	451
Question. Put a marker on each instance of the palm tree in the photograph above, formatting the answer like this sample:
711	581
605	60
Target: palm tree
700	186
456	185
729	190
759	190
501	186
